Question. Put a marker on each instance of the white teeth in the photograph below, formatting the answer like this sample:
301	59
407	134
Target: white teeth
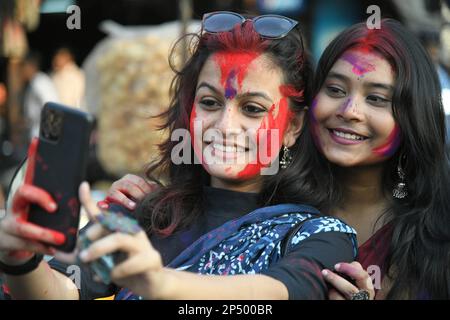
223	148
348	136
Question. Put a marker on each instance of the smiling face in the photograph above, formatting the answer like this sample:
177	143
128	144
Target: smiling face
243	115
352	119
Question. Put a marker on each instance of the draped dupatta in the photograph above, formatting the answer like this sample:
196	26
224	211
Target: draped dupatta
251	243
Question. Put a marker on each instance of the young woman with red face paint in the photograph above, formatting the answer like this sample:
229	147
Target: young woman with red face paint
377	119
221	216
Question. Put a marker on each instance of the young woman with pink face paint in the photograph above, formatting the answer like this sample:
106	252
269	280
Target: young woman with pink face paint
378	122
239	99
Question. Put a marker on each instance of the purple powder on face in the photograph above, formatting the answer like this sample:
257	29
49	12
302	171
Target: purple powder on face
230	91
360	65
313	106
346	105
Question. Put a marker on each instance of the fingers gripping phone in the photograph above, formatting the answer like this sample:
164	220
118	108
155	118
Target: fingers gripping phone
59	168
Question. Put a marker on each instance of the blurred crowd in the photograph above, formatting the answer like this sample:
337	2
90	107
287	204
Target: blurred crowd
64	84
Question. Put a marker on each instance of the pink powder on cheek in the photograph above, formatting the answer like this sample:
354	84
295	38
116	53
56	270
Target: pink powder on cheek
253	169
280	123
391	145
283	119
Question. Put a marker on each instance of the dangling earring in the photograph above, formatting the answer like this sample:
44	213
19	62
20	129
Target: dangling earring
400	191
286	159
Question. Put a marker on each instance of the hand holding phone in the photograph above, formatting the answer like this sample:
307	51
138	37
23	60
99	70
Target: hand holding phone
59	168
20	240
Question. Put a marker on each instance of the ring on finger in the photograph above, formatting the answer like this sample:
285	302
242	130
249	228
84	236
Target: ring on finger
360	295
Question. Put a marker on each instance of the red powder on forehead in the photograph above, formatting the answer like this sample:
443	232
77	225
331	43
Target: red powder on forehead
378	42
234	63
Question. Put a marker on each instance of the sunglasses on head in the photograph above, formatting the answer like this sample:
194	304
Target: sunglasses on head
270	26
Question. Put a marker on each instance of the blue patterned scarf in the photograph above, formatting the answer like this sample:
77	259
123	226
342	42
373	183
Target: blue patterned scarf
253	242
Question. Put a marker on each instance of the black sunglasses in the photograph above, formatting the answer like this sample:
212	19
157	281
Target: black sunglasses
270	26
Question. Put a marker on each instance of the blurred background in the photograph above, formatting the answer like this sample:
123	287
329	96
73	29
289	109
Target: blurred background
110	57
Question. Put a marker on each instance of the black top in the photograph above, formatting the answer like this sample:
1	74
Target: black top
300	270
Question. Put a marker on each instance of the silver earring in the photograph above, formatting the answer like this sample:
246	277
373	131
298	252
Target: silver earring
400	191
286	159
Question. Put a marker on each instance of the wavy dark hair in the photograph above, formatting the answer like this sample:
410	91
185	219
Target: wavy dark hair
418	260
176	205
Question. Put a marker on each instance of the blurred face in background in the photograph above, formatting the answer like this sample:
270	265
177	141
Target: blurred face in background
61	59
29	70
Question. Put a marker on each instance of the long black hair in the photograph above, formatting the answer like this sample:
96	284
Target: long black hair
177	204
418	259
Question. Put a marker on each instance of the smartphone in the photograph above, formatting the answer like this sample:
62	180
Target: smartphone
60	166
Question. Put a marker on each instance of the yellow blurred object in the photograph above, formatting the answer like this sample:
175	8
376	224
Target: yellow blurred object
128	77
15	43
27	13
107	298
134	85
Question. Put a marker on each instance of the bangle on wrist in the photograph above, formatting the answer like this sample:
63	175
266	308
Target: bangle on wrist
21	269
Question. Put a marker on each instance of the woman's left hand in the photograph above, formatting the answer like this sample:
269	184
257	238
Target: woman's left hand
344	289
142	271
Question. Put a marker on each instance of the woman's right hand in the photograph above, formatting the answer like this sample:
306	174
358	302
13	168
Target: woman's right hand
20	239
127	191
